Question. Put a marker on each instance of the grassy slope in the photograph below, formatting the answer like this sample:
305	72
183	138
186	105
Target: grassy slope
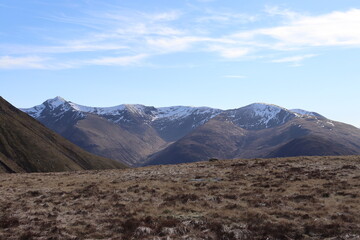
27	145
290	198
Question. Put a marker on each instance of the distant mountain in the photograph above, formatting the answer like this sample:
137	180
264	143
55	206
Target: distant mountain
258	116
126	132
145	135
28	146
312	145
262	130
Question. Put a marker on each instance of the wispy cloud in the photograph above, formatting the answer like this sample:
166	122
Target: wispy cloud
277	11
69	47
36	62
294	60
32	62
230	52
124	37
117	61
226	17
234	76
333	29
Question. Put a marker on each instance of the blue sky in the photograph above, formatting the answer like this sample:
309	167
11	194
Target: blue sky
224	54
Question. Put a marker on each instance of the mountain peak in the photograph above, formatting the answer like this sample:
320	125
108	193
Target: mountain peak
264	106
259	116
135	108
268	111
55	102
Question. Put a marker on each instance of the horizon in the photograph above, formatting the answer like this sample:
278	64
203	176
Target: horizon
208	53
66	100
294	110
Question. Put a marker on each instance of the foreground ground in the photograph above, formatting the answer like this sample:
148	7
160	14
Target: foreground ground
293	198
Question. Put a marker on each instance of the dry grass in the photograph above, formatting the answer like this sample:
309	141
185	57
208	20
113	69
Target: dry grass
293	198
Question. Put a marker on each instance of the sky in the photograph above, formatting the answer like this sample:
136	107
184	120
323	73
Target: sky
217	53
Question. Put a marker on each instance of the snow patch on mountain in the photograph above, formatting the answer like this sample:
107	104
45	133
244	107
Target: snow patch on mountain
180	112
134	108
303	112
259	116
36	111
267	112
81	108
56	102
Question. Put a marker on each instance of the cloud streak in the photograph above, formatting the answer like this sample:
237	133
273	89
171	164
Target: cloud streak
24	62
294	60
234	76
126	37
117	61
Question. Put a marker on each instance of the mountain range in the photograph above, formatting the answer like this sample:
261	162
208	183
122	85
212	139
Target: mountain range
28	146
144	135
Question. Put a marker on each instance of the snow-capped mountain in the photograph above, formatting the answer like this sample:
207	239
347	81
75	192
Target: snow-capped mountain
127	131
259	116
261	131
132	132
166	120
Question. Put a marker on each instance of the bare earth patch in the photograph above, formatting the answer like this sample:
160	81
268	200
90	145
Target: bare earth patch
290	198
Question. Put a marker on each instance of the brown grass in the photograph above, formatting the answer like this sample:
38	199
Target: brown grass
293	198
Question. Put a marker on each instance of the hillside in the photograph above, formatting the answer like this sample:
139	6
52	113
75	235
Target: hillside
252	132
312	146
290	198
28	146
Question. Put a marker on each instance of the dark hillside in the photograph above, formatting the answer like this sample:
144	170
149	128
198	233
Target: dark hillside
28	146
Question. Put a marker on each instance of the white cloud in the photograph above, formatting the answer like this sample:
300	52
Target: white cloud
69	47
230	52
125	32
234	76
175	43
35	62
276	11
164	16
294	58
333	29
299	31
31	62
226	18
117	61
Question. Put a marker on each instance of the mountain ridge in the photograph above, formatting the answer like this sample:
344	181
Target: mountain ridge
139	133
297	137
169	112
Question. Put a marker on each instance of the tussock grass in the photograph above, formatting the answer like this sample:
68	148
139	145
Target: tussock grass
290	198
